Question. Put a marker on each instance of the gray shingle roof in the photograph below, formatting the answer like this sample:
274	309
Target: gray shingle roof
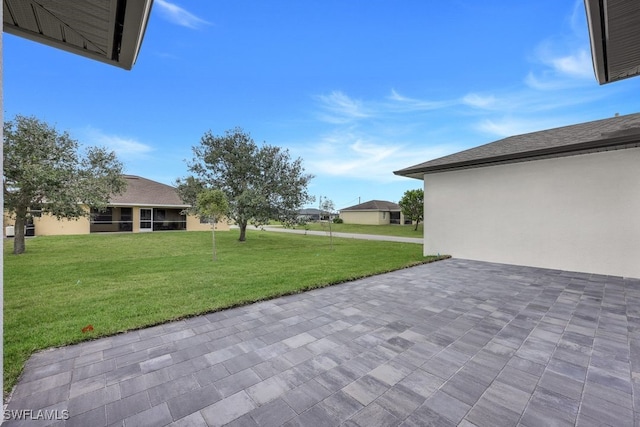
600	135
144	192
374	205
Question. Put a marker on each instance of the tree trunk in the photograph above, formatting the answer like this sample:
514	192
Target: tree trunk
18	240
243	231
417	222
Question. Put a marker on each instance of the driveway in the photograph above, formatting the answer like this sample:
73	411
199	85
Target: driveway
451	343
418	240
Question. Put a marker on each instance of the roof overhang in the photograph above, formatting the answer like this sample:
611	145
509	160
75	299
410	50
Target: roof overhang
619	141
109	31
614	30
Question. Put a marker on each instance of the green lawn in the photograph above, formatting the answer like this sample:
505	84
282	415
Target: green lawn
385	230
120	282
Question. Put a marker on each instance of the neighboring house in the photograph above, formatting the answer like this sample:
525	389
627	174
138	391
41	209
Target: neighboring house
565	198
373	212
144	206
312	214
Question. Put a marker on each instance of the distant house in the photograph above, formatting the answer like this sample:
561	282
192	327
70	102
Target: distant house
312	214
565	198
145	206
373	212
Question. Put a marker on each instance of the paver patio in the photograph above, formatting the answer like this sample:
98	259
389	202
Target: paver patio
450	343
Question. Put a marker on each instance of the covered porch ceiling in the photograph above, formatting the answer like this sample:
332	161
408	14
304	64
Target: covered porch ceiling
614	29
110	31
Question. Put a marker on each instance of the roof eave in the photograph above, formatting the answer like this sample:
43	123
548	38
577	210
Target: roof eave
598	145
596	25
134	26
614	32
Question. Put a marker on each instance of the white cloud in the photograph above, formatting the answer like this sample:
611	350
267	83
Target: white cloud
577	64
357	155
512	126
479	101
125	148
339	108
179	16
412	104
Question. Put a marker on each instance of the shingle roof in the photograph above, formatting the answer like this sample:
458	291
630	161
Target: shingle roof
144	192
374	205
614	133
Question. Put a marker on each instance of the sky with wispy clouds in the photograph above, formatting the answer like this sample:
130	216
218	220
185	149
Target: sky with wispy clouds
357	89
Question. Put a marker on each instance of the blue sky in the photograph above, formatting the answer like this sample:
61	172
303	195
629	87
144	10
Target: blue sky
355	88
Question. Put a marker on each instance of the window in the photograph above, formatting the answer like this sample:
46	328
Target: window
102	216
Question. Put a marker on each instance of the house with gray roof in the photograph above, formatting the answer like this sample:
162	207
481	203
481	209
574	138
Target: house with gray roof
373	212
565	198
144	206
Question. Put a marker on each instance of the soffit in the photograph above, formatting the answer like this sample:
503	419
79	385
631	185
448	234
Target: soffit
614	29
110	31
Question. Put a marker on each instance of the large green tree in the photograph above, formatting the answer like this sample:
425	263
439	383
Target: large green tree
260	182
412	205
44	172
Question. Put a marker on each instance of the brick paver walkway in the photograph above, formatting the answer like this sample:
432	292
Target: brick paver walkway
451	343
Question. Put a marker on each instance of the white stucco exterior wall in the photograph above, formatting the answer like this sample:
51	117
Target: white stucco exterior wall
577	213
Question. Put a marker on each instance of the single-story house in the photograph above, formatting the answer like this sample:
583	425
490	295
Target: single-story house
144	206
373	212
312	214
565	198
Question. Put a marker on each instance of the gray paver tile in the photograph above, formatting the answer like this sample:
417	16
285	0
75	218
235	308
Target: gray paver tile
305	396
193	420
447	406
273	414
400	401
422	383
426	417
165	391
341	405
126	407
192	401
153	417
374	415
316	416
366	389
236	382
268	390
228	409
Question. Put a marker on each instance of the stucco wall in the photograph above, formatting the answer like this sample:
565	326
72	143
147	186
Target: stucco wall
193	224
578	213
48	225
364	217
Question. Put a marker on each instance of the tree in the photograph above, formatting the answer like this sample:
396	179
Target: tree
44	173
328	206
412	205
261	183
213	205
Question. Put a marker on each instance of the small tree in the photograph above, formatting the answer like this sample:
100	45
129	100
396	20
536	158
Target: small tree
261	183
43	171
412	205
213	205
328	206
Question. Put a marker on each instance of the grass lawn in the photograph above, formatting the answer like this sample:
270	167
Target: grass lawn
119	282
385	230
